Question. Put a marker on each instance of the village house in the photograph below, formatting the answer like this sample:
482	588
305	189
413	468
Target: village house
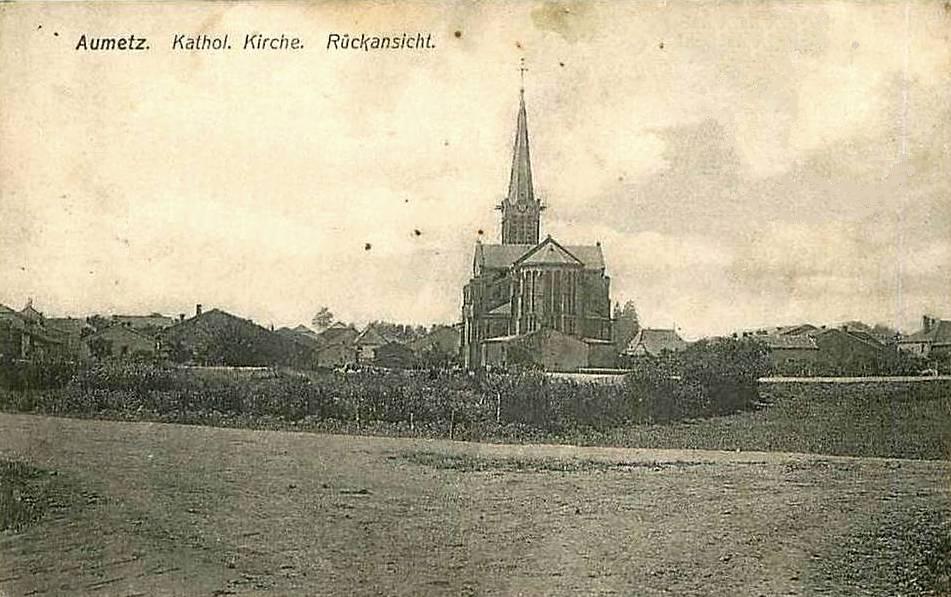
932	341
24	335
119	341
151	325
443	341
653	342
526	284
72	331
367	342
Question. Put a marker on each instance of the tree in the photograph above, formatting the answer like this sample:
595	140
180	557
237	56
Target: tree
626	324
323	320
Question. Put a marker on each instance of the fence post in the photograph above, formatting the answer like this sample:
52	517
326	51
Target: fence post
498	408
452	422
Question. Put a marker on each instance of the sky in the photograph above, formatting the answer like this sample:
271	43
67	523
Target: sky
742	165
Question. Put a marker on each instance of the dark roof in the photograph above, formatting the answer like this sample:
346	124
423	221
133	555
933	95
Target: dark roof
140	321
549	252
797	342
940	333
28	312
444	337
337	332
493	256
370	336
309	340
69	325
654	341
112	330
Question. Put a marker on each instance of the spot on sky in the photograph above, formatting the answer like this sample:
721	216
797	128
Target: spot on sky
367	247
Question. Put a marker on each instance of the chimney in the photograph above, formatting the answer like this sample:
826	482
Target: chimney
181	317
927	323
197	309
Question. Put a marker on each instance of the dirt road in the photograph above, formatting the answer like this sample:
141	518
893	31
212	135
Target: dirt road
171	510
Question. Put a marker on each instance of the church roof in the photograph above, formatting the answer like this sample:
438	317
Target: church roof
520	181
549	252
493	256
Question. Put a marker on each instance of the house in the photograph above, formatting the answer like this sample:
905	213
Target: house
443	340
790	353
24	335
338	333
526	284
151	325
306	337
846	350
338	354
653	342
72	331
23	338
216	337
394	355
367	342
545	348
119	341
933	340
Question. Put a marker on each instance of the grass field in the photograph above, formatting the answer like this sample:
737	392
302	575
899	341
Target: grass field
157	509
888	419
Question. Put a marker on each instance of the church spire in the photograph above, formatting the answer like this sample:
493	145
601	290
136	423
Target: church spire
521	212
520	181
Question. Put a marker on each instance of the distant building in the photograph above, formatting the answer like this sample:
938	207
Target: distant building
72	331
653	342
216	337
24	335
152	324
852	351
367	342
807	349
932	340
339	354
525	285
119	341
791	353
444	341
394	355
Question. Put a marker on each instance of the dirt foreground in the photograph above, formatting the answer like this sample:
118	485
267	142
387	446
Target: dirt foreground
157	509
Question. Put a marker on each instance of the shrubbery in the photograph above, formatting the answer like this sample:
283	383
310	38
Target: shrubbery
705	380
38	375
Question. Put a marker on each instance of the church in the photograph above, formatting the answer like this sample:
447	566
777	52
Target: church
532	300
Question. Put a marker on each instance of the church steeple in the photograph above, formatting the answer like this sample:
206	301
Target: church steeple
521	212
520	181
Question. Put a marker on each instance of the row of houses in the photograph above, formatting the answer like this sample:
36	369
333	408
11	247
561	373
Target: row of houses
807	348
212	337
216	337
343	345
810	349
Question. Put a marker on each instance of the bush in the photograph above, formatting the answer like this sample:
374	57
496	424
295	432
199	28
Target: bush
40	375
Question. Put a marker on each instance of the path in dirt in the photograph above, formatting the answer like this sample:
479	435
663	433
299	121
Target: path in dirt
177	510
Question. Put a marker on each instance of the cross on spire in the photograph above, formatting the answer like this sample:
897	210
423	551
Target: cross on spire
522	69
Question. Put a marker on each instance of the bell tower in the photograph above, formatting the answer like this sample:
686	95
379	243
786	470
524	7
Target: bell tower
521	211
